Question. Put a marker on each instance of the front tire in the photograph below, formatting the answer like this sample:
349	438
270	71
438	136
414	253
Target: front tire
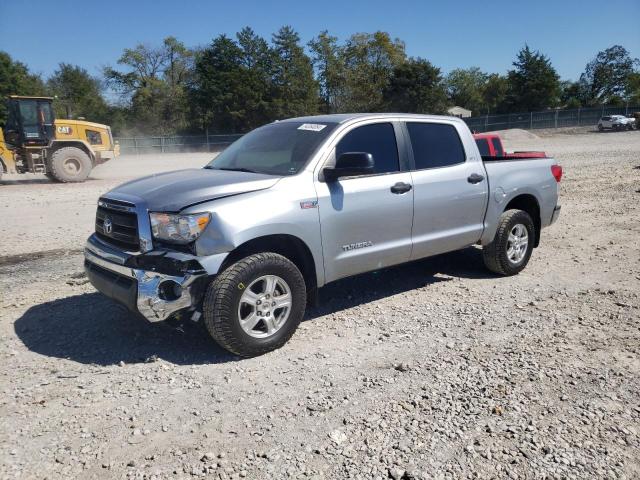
511	248
255	305
70	164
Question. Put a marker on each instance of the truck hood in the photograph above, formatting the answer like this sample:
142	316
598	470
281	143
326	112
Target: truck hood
174	191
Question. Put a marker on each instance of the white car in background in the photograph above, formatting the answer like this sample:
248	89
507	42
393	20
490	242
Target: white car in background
616	122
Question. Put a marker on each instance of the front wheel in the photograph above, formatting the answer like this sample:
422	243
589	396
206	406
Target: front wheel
70	164
255	305
511	248
600	128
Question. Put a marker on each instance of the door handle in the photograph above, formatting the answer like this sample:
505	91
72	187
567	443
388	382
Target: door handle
400	188
475	178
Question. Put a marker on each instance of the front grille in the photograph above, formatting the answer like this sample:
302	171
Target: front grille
124	226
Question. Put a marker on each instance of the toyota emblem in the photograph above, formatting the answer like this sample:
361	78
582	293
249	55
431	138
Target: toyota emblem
108	225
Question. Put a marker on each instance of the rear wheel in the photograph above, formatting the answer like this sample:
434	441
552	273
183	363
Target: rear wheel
70	164
511	248
600	128
255	305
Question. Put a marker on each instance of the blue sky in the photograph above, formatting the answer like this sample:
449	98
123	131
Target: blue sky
450	34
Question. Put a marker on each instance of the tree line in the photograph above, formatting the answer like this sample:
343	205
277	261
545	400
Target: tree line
233	85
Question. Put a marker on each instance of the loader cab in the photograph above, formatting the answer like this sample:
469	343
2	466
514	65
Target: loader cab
30	122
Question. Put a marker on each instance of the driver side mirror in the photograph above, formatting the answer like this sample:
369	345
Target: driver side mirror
350	164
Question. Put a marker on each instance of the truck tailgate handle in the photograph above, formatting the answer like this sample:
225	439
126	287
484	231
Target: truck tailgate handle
475	178
400	188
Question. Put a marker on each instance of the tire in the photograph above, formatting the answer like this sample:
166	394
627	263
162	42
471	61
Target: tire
70	164
230	302
496	254
600	128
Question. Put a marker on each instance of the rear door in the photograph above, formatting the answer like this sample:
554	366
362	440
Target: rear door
366	220
450	190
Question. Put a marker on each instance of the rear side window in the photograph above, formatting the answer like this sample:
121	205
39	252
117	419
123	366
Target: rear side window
483	146
378	139
435	145
497	146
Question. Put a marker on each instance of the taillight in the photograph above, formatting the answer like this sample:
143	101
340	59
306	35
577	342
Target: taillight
556	171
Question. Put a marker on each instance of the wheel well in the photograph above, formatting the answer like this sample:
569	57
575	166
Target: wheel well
288	246
58	145
529	204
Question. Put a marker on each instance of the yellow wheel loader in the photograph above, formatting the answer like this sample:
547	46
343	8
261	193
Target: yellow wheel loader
33	141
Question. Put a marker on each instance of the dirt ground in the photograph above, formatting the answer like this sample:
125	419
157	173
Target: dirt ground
436	369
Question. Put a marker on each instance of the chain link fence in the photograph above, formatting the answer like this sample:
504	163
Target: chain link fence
548	119
175	143
486	123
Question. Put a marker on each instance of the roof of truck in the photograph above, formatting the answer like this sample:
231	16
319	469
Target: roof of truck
345	117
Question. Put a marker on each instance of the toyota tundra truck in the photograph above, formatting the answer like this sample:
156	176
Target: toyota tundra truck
245	243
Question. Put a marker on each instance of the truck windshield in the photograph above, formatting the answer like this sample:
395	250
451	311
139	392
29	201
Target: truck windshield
281	148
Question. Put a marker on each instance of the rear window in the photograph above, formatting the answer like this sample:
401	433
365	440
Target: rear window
435	145
497	146
483	146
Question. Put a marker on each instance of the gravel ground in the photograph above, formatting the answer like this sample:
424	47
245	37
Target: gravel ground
435	369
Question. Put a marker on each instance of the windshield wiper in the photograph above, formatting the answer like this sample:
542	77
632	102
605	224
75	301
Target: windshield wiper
233	169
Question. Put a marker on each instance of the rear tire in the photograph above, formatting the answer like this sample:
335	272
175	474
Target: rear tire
237	297
511	248
70	164
600	128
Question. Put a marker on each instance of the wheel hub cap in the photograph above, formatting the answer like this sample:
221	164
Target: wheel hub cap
264	306
517	243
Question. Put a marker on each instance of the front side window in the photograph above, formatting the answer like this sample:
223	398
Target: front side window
435	145
281	148
378	139
94	137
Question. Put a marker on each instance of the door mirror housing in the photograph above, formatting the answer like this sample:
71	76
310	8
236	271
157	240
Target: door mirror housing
350	164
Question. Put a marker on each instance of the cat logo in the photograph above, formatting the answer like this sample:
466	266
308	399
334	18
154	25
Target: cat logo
65	129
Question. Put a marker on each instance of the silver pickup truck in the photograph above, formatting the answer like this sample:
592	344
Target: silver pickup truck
245	242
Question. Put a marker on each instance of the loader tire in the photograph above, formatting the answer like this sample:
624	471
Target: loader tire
70	164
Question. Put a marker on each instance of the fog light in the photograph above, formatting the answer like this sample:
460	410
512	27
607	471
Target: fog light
169	290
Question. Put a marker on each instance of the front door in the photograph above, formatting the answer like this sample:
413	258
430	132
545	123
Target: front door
366	220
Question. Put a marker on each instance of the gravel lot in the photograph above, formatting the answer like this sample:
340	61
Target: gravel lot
435	369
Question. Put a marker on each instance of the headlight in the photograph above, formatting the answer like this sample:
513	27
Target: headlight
178	228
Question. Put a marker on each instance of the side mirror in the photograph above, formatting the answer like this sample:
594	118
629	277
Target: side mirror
350	164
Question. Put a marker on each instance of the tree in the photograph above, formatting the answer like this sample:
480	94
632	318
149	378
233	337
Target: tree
571	95
465	87
415	87
15	79
77	94
370	60
328	59
606	77
494	93
154	84
633	89
296	90
533	84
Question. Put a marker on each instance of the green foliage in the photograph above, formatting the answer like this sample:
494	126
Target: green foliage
295	88
465	87
370	60
328	59
154	86
15	79
533	83
77	94
606	77
415	87
236	84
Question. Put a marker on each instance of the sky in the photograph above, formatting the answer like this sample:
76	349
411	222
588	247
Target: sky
451	34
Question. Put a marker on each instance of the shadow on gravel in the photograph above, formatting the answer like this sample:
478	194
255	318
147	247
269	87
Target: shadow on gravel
92	329
373	286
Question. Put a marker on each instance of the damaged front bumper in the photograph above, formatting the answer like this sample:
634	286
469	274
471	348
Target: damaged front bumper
157	284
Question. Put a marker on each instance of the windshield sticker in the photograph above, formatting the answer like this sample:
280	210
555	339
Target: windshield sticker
314	127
